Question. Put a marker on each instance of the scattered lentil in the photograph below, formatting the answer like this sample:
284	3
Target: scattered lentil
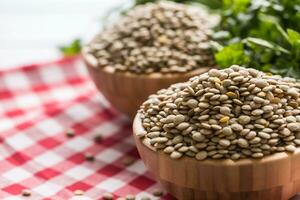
130	197
78	192
108	196
145	198
70	133
26	193
98	137
158	193
127	161
89	157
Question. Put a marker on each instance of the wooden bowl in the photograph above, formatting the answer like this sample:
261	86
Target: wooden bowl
127	91
275	177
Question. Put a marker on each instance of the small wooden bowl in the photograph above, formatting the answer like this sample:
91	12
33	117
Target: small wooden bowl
275	177
127	91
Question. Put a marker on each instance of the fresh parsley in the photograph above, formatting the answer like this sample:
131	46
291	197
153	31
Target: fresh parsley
71	49
266	33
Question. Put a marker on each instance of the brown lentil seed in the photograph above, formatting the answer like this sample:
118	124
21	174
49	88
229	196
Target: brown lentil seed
169	149
183	149
235	156
224	142
224	119
198	137
78	192
89	157
225	110
176	155
296	141
264	135
236	127
26	193
70	133
98	137
243	143
201	155
145	198
257	155
244	119
290	148
257	112
127	161
227	131
107	196
158	193
130	197
294	126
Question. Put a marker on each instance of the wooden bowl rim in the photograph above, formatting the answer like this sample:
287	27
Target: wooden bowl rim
155	75
137	127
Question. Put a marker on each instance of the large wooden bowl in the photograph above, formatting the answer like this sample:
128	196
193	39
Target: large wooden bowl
127	91
275	177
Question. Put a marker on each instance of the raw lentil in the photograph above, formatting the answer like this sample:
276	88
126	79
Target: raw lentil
261	122
145	198
127	161
224	142
176	155
26	193
201	155
158	193
224	119
98	137
89	157
108	196
130	197
78	192
70	133
290	148
157	37
243	143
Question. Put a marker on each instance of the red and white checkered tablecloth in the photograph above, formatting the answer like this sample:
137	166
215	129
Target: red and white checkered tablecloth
37	104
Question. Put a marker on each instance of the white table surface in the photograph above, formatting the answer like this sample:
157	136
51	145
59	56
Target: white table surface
31	30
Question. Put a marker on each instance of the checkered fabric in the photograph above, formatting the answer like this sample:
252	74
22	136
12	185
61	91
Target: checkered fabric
37	104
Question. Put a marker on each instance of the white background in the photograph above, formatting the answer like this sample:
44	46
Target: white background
31	30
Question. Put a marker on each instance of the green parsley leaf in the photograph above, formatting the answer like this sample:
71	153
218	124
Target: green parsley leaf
267	44
293	36
71	49
232	54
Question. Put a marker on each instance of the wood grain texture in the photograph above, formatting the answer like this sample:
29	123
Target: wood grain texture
274	177
127	91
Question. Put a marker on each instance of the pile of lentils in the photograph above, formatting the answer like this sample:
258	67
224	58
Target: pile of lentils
232	113
163	37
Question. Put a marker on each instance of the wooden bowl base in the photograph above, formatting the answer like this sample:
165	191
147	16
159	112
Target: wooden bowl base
274	177
276	193
127	91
